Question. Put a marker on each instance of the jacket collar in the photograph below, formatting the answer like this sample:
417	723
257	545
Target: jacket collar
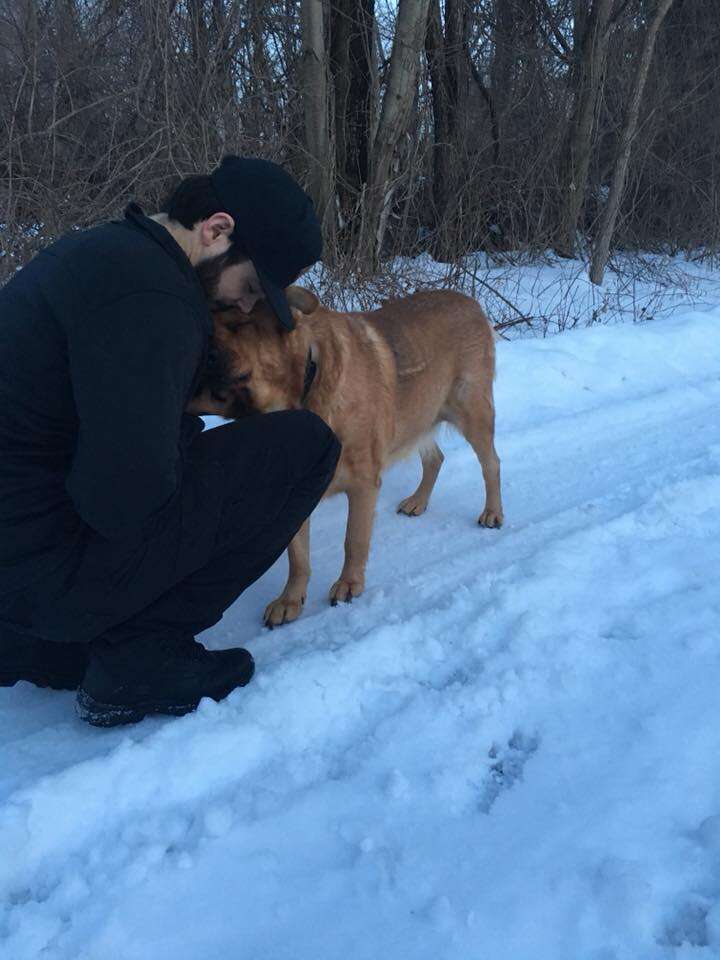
134	213
136	218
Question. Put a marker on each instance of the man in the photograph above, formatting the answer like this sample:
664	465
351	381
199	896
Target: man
124	531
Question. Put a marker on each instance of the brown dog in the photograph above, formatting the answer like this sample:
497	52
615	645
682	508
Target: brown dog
383	381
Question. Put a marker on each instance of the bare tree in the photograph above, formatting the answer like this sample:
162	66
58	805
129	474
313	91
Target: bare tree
315	99
445	48
440	125
505	29
353	65
592	30
396	108
601	249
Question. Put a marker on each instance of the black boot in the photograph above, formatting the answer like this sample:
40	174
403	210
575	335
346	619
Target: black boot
42	662
127	681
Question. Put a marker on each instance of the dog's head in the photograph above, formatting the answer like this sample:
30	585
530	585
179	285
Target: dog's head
254	364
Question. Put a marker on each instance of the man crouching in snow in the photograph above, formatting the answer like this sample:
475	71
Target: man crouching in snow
124	530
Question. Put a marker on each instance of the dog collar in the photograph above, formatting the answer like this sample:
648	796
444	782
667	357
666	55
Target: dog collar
310	371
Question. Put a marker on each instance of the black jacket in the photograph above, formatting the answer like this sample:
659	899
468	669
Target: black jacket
101	339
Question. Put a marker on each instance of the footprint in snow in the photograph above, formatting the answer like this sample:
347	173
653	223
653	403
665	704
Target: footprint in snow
507	764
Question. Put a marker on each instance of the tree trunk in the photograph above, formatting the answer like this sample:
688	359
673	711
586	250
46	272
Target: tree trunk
256	103
396	108
612	208
590	65
455	72
352	64
435	54
445	57
505	46
315	105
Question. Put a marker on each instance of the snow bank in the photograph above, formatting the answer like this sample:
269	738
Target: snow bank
541	296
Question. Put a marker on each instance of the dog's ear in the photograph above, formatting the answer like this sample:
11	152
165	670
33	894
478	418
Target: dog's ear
302	300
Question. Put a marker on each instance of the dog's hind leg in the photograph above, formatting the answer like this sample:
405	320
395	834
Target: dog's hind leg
475	418
432	459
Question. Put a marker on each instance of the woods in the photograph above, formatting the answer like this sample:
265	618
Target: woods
582	126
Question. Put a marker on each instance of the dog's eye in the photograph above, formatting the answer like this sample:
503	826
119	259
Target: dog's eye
242	377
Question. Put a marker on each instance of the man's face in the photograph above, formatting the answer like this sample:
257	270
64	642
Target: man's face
236	285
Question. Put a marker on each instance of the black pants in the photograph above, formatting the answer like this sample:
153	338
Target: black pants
247	488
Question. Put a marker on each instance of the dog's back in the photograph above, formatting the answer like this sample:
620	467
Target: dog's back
444	352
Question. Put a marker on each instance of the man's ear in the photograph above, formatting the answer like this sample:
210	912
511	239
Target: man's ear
216	226
301	300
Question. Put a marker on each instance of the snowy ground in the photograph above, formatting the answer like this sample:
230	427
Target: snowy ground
508	749
539	296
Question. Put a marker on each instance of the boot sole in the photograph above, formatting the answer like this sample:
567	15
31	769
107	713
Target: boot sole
114	715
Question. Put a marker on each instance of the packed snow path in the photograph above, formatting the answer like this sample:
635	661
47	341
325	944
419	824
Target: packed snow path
507	749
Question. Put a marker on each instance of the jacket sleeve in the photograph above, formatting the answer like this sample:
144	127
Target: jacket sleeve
132	365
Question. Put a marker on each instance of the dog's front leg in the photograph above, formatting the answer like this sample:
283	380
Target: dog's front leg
361	514
289	604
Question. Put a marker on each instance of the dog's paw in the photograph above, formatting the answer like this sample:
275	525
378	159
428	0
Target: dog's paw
412	506
344	591
283	610
491	518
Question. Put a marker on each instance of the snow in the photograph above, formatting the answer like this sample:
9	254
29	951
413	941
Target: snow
542	295
507	748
